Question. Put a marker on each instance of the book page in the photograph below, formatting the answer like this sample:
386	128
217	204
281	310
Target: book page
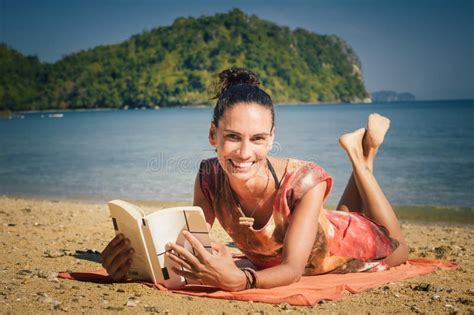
166	226
127	219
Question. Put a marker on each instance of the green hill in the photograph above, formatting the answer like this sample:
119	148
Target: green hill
174	65
20	80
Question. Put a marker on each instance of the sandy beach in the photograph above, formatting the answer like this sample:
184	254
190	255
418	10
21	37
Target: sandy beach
40	237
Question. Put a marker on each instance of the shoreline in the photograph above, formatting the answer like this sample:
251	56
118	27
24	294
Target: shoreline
431	213
41	237
198	106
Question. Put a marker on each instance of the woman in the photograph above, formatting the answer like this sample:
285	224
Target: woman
273	207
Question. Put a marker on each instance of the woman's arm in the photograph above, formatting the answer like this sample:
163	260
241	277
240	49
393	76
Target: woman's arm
299	241
200	200
216	269
220	270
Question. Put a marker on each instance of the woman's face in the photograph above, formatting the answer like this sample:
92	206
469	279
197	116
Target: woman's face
243	138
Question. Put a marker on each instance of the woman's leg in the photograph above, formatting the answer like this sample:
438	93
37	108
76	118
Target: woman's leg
377	127
376	205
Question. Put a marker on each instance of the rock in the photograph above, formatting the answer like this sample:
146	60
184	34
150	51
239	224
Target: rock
25	272
464	301
49	275
56	305
151	309
53	253
435	297
442	251
26	210
44	298
114	308
449	306
415	309
61	286
11	224
132	302
120	290
285	306
423	287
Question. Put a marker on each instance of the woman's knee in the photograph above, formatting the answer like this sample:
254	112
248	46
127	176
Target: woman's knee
399	256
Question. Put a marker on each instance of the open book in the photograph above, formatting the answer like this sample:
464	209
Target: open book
148	235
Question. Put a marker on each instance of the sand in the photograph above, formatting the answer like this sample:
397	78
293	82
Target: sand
42	237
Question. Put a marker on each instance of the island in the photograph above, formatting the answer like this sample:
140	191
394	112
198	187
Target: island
175	66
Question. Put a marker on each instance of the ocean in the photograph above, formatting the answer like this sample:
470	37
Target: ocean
427	157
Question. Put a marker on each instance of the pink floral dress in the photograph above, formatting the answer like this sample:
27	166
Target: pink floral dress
345	241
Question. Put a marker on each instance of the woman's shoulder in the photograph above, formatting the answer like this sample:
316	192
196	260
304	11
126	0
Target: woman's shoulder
208	166
208	173
301	174
294	165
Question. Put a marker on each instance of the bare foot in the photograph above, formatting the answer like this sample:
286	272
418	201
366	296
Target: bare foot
352	142
377	127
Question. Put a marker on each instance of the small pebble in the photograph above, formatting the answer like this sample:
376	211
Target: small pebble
414	308
151	309
132	302
24	272
53	253
114	308
285	306
49	275
435	297
423	287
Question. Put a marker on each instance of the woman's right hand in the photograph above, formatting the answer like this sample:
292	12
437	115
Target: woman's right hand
117	257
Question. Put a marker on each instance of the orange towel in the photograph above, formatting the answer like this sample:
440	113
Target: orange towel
308	291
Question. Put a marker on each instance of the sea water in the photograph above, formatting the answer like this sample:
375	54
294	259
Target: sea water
427	156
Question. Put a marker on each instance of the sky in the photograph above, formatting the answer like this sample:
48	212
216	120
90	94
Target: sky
422	47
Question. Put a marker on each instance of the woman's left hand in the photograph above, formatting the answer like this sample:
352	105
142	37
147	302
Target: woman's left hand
218	270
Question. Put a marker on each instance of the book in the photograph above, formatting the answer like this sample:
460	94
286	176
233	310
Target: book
149	233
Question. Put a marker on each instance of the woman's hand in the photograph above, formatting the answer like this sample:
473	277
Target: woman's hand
117	257
218	270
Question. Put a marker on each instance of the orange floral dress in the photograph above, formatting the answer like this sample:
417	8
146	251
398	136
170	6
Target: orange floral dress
345	241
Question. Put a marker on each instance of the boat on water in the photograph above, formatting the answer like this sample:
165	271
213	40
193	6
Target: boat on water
58	115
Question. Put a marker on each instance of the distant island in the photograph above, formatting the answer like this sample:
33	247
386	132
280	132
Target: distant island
392	96
174	66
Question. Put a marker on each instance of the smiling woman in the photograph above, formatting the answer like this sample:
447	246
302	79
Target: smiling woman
273	207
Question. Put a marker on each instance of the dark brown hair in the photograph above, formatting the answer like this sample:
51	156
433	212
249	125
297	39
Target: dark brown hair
239	85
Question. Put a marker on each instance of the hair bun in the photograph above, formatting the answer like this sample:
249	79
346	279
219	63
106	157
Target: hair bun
234	76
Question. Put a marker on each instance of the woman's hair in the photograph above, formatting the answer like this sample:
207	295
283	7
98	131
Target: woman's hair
239	85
